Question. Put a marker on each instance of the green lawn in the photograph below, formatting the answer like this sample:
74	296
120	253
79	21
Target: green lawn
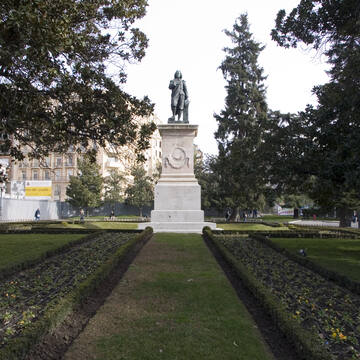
277	218
114	225
249	226
17	248
340	255
174	303
204	318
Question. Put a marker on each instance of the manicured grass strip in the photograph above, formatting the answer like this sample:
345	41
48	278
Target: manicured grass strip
249	226
277	218
339	255
19	248
113	225
173	303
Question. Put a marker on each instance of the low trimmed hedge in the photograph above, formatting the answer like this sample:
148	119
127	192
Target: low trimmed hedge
24	225
307	346
249	231
57	311
355	232
51	231
330	275
299	233
69	231
248	221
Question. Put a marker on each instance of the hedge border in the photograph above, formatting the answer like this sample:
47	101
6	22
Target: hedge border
67	231
43	230
355	232
305	233
55	314
31	225
249	221
341	280
307	347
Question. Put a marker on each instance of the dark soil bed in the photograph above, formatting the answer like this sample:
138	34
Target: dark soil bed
26	296
277	342
327	311
54	345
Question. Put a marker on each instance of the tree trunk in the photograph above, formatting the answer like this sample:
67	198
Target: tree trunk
296	213
234	214
140	211
345	216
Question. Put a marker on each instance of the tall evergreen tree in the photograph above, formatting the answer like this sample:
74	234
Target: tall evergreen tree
240	124
330	131
114	187
85	189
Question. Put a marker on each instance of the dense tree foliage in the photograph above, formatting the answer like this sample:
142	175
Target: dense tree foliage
141	192
54	87
328	136
85	190
208	180
240	124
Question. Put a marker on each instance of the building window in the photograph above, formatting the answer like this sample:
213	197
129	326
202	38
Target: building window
70	172
47	175
57	174
35	175
35	163
69	160
113	159
23	175
47	162
58	161
23	164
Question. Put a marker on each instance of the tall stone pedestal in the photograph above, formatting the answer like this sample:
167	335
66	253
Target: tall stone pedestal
177	193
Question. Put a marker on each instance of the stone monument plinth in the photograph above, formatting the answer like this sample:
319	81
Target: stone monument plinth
177	206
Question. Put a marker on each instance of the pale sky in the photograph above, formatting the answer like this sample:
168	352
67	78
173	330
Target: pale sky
188	35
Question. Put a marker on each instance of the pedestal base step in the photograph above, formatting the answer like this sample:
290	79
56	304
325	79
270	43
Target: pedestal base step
178	227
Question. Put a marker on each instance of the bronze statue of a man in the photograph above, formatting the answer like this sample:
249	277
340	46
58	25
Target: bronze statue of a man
179	99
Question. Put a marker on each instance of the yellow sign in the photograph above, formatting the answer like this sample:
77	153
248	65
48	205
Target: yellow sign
38	191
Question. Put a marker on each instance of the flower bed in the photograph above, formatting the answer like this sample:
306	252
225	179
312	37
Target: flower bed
342	280
328	312
16	267
26	296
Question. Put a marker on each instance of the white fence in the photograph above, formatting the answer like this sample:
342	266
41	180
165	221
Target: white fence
21	209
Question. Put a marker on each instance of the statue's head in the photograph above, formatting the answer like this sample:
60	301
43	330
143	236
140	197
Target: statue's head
178	74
